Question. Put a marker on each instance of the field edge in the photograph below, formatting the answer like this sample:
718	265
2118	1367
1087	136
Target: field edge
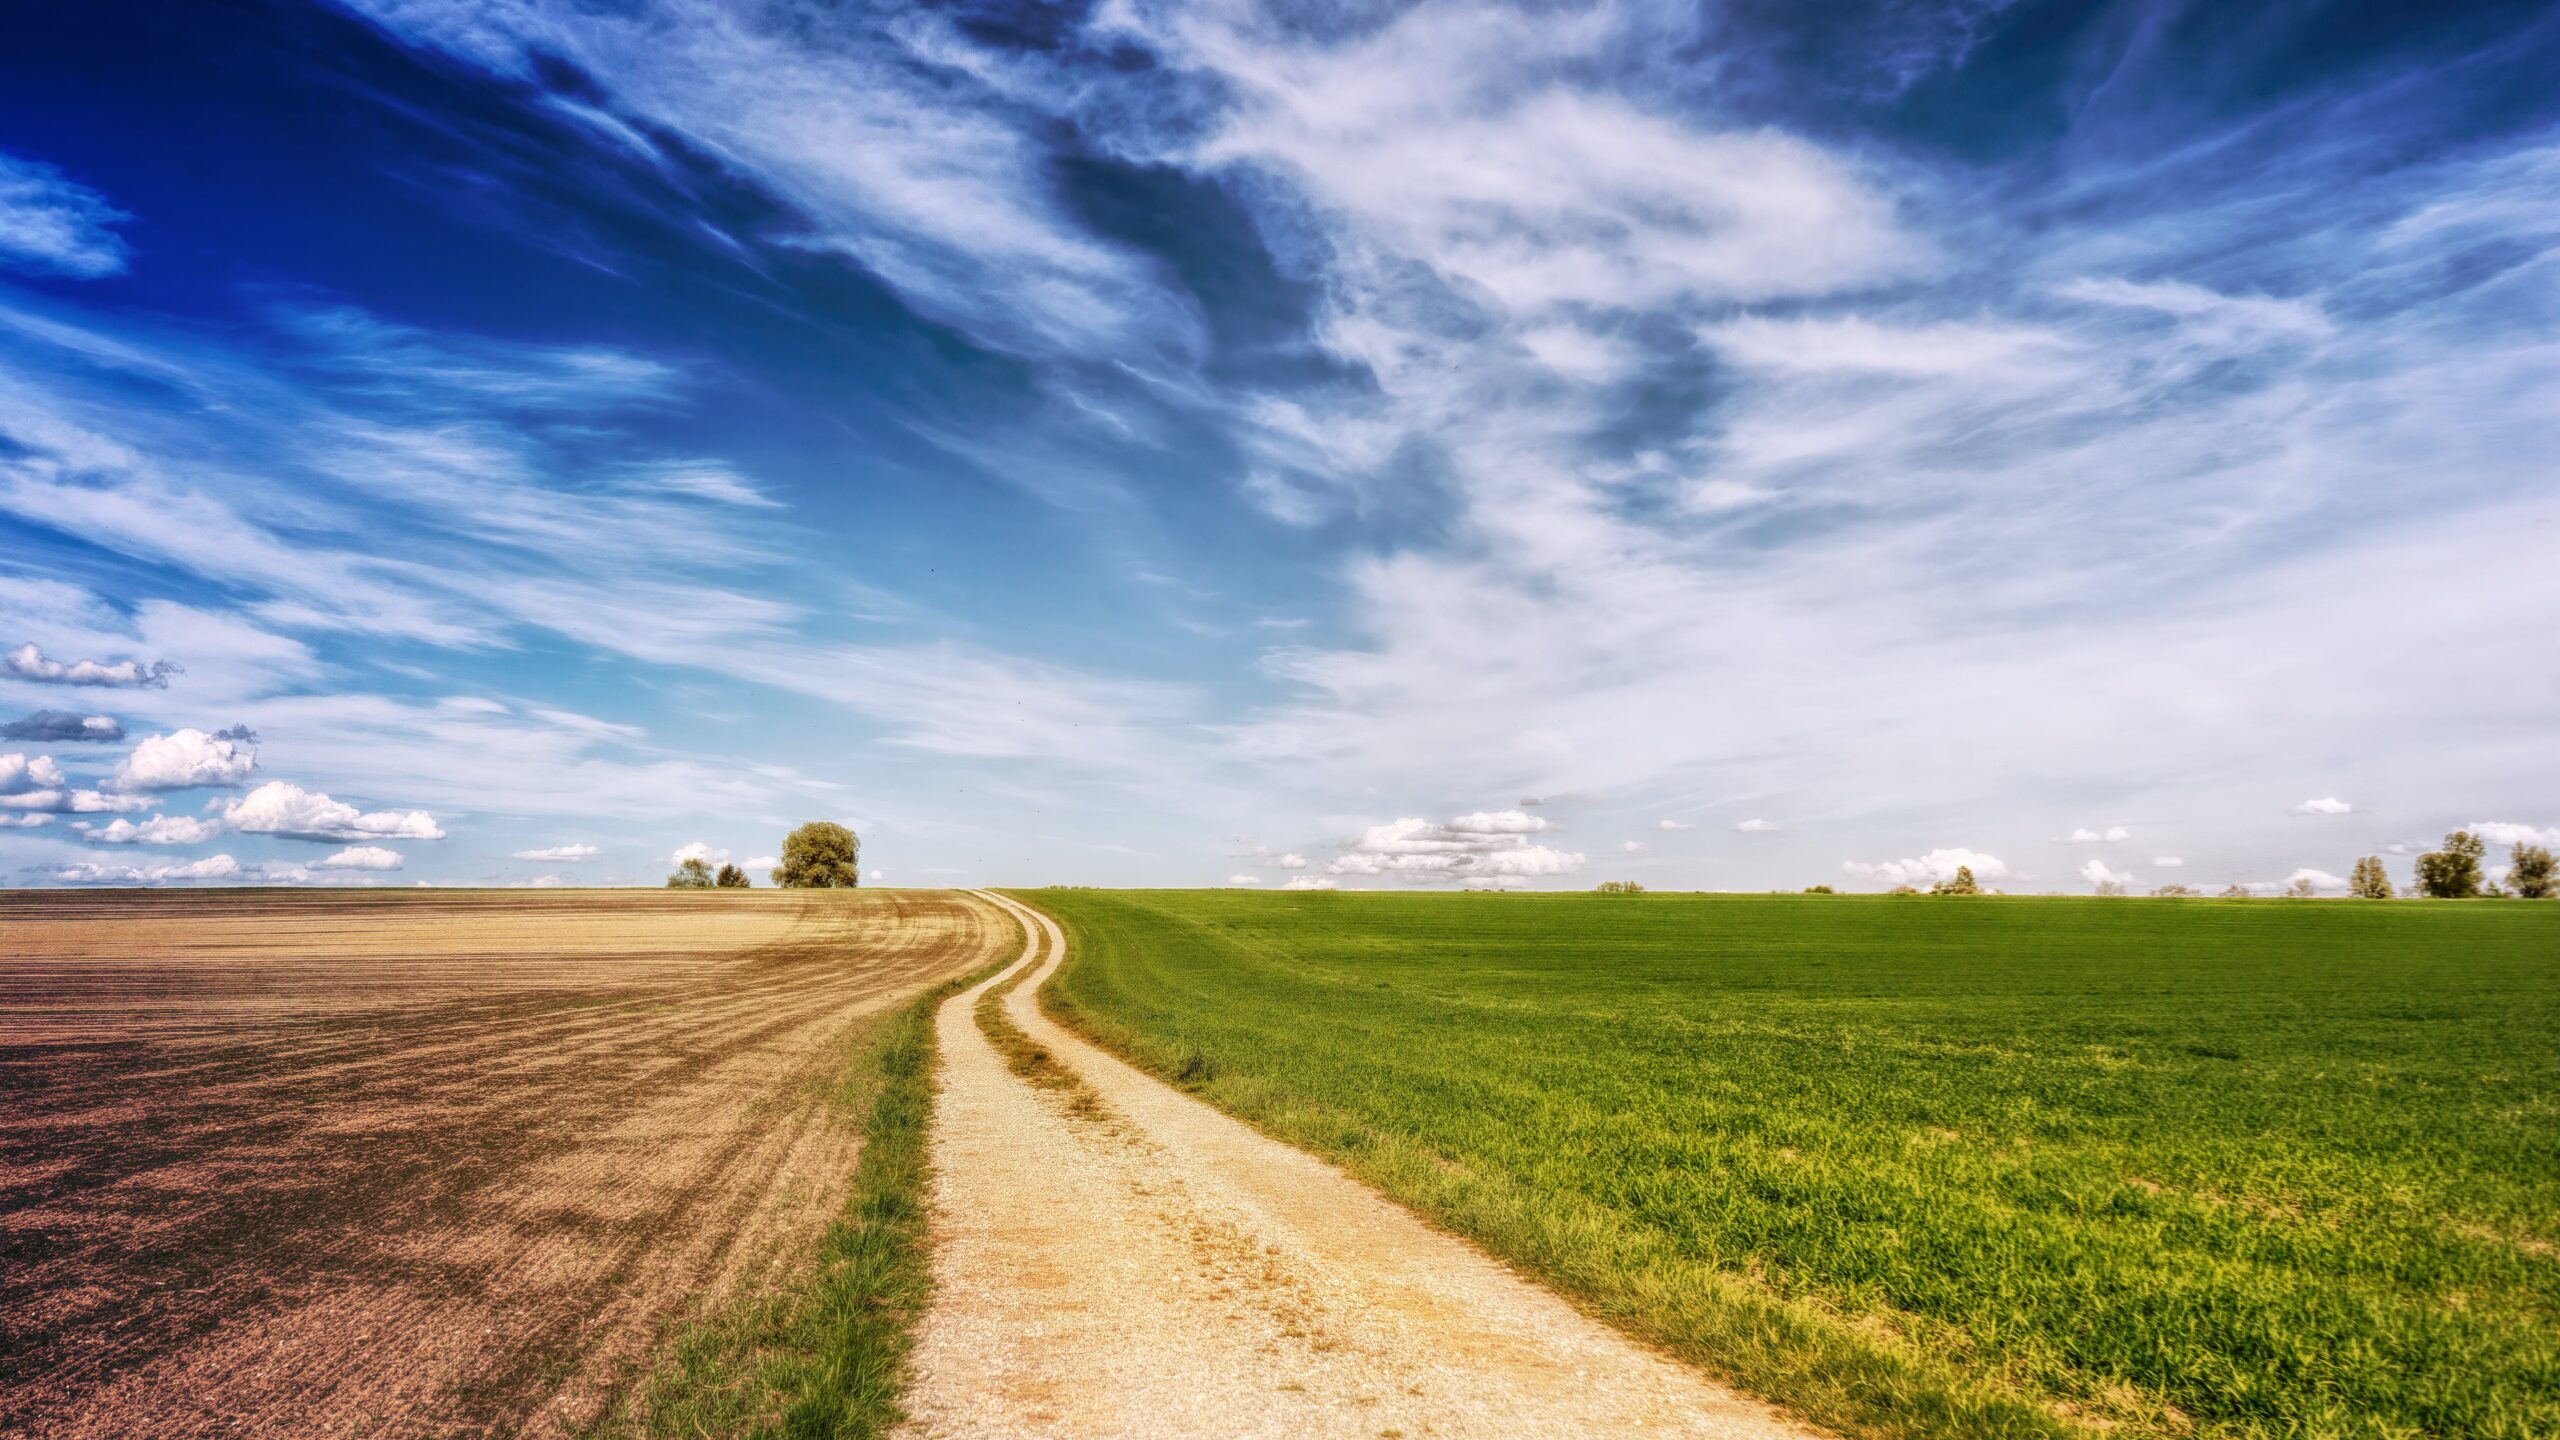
826	1354
1823	1366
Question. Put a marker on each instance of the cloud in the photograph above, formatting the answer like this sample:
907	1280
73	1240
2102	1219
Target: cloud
1244	879
1308	882
1754	827
158	830
30	784
287	810
2328	805
1632	846
1291	861
1929	869
54	727
768	862
1674	825
573	854
2087	836
1453	137
211	867
20	773
24	822
539	882
188	759
2098	872
697	850
1483	848
707	481
2168	862
360	857
28	662
1500	822
2507	832
899	145
2320	879
53	225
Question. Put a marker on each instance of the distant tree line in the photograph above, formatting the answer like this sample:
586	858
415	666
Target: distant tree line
820	855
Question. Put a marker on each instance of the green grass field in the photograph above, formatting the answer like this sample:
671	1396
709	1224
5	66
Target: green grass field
1929	1167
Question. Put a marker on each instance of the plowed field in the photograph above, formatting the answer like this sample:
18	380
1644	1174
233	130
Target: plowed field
414	1164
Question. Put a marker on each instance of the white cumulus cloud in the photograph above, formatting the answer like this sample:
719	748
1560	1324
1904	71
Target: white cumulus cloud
20	773
2099	872
158	830
1485	848
284	809
1754	827
1244	879
211	867
2507	832
2326	805
187	759
1308	882
572	854
361	857
1674	825
2086	836
1291	861
1929	869
697	850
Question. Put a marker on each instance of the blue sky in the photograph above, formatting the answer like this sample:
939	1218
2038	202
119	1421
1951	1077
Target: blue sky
1722	446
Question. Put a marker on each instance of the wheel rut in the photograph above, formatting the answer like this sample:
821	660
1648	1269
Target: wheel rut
1129	1262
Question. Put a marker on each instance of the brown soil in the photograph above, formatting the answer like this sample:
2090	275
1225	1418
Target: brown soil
441	1163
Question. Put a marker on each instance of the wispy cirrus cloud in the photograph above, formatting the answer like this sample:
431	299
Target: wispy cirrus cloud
52	224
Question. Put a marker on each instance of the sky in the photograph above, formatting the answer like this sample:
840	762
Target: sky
1719	446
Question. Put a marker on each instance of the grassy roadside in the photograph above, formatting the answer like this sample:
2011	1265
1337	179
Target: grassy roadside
823	1355
1928	1170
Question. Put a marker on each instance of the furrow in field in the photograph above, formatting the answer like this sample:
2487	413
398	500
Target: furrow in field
470	1223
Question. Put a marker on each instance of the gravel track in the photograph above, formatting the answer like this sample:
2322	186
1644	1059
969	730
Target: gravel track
1162	1270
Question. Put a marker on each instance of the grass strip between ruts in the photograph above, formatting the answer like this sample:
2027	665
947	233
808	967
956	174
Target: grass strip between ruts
823	1356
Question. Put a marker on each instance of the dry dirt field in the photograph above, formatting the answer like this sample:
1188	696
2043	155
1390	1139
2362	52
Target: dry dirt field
390	1164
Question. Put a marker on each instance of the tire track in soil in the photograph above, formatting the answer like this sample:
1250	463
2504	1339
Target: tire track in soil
1140	1265
391	1204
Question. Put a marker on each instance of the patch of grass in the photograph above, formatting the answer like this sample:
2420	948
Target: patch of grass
1937	1168
1029	1059
822	1355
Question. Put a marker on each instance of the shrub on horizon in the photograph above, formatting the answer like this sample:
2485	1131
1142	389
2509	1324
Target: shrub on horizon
693	874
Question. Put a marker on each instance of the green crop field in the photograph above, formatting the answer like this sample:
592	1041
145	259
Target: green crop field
1930	1167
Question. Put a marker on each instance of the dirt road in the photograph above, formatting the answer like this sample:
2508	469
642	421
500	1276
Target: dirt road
439	1163
1162	1270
